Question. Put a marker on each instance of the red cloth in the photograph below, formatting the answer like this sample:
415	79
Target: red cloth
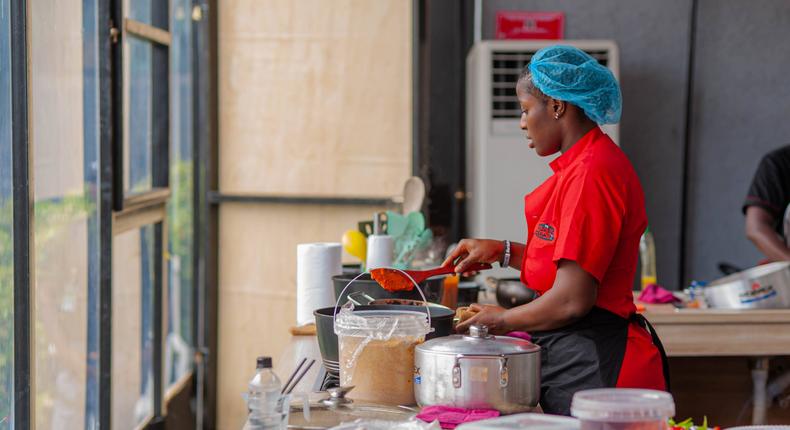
654	293
591	211
642	367
450	417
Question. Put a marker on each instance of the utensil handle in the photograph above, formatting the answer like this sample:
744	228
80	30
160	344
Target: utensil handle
446	270
478	267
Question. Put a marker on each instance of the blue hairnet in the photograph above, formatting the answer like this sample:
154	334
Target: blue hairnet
570	74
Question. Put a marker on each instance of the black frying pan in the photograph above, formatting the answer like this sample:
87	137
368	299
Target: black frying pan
510	292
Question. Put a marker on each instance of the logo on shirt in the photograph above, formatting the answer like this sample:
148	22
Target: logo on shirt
545	232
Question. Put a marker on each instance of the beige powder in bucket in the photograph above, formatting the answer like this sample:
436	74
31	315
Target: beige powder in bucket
381	371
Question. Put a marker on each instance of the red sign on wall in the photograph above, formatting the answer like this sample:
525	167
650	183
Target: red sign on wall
512	24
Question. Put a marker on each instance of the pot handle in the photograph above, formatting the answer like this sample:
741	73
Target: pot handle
360	298
504	377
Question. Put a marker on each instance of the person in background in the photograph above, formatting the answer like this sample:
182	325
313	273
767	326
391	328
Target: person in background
584	224
766	205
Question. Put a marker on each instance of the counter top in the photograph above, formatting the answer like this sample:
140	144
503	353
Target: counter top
717	332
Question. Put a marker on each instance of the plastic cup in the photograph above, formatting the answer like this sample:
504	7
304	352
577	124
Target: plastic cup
622	409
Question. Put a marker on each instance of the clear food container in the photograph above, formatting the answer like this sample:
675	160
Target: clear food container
622	409
529	421
377	353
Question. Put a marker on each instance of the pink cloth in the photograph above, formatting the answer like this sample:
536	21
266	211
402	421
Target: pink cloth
654	293
450	417
521	335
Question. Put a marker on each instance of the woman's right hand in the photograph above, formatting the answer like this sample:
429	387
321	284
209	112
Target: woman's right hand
470	251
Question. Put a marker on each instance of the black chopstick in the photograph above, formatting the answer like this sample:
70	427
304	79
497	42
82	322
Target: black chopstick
291	378
299	378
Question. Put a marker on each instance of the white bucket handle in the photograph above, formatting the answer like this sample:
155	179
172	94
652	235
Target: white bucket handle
419	290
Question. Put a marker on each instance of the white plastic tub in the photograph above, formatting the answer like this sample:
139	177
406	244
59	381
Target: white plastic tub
524	421
622	409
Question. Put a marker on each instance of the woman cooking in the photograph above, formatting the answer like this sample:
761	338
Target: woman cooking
584	224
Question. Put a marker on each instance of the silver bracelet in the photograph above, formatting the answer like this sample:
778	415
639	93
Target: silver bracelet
505	255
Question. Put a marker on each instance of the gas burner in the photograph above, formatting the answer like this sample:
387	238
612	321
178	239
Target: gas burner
331	380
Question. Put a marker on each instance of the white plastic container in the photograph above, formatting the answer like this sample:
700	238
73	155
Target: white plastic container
377	353
525	421
763	427
622	409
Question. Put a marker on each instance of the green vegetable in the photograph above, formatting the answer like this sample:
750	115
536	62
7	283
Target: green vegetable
688	424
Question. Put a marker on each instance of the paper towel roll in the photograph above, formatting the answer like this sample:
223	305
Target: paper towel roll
316	263
380	250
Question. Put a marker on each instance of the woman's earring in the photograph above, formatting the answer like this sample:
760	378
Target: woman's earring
556	116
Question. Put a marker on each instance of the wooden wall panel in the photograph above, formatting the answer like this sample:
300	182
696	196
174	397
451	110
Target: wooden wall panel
257	284
315	96
315	99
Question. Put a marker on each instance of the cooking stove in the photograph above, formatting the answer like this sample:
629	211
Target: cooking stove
326	380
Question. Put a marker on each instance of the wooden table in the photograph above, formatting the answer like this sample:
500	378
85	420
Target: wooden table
759	334
711	333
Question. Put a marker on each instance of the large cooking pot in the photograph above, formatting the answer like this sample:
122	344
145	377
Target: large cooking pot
478	371
761	287
359	298
433	288
441	323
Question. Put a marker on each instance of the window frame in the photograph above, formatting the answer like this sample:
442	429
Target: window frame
158	35
142	209
22	217
115	212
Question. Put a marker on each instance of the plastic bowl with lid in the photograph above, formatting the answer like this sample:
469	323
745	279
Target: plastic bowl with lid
531	421
622	409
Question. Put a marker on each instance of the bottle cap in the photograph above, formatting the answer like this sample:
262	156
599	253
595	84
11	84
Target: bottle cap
264	363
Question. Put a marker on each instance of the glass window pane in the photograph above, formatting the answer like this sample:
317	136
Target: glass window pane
132	327
178	353
137	127
6	229
64	150
139	10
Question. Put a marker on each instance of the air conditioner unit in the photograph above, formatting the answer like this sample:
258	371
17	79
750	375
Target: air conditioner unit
500	168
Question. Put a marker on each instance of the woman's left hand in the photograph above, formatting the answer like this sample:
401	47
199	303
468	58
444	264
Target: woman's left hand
489	315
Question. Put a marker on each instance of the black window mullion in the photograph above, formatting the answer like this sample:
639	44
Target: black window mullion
200	133
111	180
157	302
160	157
160	111
23	218
115	17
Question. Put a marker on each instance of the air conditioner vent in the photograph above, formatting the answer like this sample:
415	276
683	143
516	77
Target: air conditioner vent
505	68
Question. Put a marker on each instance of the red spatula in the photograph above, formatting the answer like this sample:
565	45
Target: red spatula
396	280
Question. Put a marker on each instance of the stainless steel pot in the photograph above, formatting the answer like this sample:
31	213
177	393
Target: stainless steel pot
478	371
761	287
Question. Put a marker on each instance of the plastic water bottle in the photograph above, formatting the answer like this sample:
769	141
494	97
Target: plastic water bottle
647	255
263	398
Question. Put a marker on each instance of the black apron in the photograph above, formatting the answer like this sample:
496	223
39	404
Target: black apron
584	355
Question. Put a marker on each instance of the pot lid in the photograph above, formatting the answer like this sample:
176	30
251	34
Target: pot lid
478	342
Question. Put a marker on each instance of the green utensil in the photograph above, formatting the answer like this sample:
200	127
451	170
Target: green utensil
396	224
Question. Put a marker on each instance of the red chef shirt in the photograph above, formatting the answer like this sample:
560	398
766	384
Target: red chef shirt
591	211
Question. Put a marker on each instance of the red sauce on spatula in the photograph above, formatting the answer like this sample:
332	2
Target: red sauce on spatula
392	280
